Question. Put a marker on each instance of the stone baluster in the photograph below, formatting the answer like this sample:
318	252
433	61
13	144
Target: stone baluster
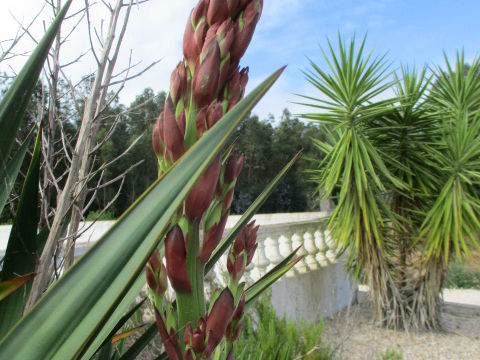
272	252
248	276
322	248
260	261
285	249
297	241
331	253
309	245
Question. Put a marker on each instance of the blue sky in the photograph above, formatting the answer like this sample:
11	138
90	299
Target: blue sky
412	32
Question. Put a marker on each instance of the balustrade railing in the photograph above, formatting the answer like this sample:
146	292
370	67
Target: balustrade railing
278	236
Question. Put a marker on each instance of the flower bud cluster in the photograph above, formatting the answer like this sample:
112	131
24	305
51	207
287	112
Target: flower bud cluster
242	251
204	86
156	274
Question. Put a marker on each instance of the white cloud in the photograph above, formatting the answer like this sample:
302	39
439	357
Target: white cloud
155	31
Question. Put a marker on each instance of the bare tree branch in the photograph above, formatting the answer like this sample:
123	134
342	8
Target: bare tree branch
19	35
89	26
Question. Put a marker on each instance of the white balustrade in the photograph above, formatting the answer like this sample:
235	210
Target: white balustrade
278	236
277	241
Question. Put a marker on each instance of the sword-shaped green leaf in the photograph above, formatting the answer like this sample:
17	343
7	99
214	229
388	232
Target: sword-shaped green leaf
15	100
140	343
9	174
21	253
9	286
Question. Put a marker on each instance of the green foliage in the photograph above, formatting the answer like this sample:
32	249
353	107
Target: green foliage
267	146
24	245
458	277
391	355
268	337
97	215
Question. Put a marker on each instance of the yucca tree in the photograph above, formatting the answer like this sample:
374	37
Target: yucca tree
405	135
451	221
406	171
353	166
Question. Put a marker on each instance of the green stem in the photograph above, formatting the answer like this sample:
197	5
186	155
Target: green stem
191	306
228	347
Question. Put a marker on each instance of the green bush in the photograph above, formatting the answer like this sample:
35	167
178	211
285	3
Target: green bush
266	336
392	355
96	216
459	277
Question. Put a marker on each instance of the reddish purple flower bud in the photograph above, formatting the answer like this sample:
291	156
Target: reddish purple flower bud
227	202
188	355
217	11
198	342
156	274
234	166
225	73
176	256
207	73
151	281
233	6
238	268
187	337
244	28
199	199
201	122
218	319
214	113
172	135
233	332
225	35
178	82
212	239
237	332
155	260
251	252
238	314
199	11
157	136
244	3
194	35
236	87
169	341
242	250
182	121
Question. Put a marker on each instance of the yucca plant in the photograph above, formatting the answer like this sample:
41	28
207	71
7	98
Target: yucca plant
79	315
353	166
451	220
204	86
406	172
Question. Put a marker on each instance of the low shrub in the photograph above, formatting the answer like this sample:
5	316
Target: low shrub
267	337
459	277
391	355
97	216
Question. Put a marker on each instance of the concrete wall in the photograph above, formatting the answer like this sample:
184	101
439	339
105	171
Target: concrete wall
314	294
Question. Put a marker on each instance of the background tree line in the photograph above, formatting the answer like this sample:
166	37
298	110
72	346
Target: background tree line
267	145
